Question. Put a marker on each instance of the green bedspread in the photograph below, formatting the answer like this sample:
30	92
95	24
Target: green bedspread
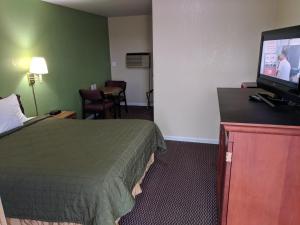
74	170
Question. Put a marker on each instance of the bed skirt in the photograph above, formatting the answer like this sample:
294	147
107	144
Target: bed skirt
14	221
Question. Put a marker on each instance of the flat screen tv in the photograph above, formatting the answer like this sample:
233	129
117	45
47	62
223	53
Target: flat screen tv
279	63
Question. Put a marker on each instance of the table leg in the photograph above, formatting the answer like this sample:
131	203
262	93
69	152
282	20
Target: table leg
115	111
117	106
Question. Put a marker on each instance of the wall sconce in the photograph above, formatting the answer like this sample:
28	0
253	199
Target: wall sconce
38	67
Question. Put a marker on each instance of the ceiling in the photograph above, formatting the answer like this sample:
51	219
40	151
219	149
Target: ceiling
108	7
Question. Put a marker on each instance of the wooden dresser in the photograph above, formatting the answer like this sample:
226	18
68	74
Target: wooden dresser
259	161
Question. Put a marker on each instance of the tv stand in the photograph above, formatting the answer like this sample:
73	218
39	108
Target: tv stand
258	161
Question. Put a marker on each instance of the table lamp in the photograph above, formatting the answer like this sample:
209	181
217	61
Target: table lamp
38	67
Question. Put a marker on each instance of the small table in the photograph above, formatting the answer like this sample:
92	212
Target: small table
259	149
66	115
115	91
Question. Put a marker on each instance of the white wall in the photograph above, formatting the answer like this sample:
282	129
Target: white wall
288	13
130	34
199	45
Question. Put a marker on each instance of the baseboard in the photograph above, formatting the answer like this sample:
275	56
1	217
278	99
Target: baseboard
135	103
192	139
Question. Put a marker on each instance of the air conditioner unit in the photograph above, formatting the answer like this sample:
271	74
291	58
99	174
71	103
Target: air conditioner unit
138	60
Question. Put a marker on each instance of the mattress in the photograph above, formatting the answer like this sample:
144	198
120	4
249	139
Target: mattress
14	221
75	171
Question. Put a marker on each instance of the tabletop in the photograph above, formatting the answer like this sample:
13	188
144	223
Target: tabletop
111	90
235	107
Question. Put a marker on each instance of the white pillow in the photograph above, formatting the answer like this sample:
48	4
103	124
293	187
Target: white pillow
8	122
10	106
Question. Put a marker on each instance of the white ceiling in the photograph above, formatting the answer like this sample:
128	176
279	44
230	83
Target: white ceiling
108	7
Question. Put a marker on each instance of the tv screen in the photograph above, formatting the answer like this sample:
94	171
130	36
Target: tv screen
281	59
279	63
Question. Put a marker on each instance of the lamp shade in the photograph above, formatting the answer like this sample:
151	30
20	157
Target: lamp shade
38	66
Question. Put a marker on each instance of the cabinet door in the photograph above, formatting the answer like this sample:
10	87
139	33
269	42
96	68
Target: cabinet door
265	180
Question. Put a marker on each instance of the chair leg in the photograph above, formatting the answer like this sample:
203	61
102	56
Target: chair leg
117	104
83	109
114	111
104	114
119	109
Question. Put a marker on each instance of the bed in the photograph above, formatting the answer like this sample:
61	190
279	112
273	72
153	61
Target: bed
74	171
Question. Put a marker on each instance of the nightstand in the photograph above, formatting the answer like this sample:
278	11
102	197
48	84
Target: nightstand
66	115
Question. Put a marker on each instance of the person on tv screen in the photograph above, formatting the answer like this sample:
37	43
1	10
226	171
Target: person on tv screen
284	67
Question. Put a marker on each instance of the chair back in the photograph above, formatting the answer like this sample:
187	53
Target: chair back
116	83
91	95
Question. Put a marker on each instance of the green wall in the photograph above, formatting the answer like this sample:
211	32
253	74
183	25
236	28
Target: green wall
75	45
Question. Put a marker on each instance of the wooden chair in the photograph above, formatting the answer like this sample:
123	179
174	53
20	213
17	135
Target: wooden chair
93	102
122	85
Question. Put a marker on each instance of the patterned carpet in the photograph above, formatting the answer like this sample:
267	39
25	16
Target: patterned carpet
179	189
134	112
137	112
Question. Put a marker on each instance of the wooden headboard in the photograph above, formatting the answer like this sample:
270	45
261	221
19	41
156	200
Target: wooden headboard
20	103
